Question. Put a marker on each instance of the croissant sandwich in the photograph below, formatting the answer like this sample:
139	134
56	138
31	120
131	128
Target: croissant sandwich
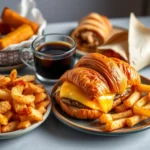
91	87
92	31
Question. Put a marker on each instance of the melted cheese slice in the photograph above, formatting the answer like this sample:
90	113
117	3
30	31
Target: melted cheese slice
103	103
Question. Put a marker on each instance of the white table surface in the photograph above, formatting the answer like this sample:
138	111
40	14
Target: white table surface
53	134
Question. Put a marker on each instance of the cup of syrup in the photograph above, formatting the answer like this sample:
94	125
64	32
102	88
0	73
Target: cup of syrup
53	54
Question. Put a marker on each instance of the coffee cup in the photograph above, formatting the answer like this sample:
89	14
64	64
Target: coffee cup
52	55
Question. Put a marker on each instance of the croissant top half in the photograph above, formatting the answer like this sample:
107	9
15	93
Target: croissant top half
97	75
132	75
88	80
107	67
97	21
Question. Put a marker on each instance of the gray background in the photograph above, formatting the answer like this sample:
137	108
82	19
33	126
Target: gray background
72	10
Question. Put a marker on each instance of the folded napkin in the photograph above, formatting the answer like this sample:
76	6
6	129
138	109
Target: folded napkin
132	45
117	43
27	8
139	43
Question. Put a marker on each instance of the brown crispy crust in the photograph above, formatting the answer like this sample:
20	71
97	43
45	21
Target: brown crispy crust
107	67
88	27
88	80
95	23
80	113
131	74
100	19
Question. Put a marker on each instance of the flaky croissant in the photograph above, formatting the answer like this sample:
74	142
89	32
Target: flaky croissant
97	20
88	80
92	31
107	68
93	84
133	78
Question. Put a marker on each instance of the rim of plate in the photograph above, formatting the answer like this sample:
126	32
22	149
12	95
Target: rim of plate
96	131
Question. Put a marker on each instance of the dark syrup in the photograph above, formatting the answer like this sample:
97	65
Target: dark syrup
54	68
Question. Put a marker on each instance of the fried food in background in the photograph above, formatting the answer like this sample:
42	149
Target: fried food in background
22	102
4	28
18	35
16	19
15	28
92	31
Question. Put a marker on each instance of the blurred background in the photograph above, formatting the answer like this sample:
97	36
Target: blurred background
73	10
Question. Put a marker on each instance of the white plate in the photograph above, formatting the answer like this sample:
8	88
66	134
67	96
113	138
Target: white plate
9	68
24	131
